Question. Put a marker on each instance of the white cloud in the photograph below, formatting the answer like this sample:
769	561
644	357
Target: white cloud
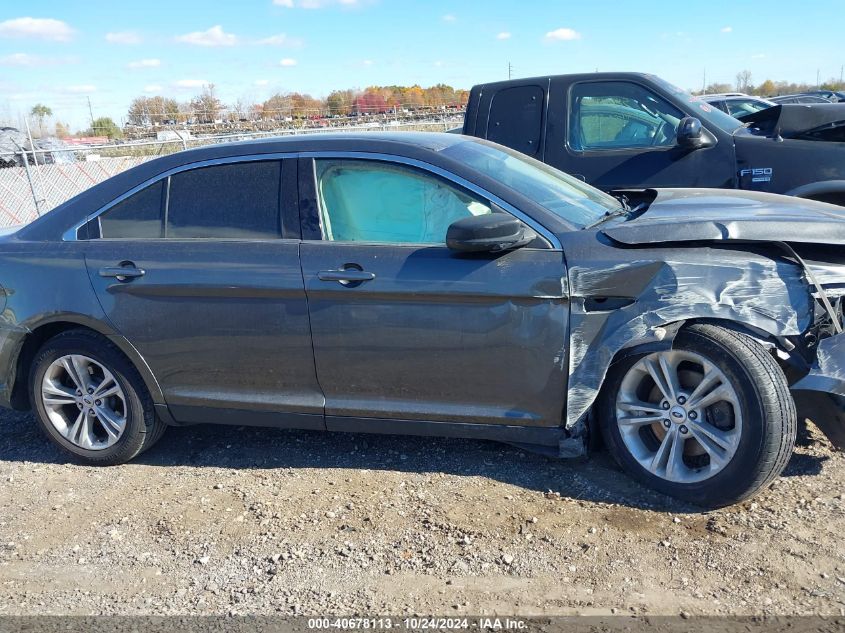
504	35
123	37
288	62
563	35
727	29
189	84
449	18
144	63
261	82
40	28
758	56
281	39
215	36
153	88
80	89
30	61
22	59
367	62
288	4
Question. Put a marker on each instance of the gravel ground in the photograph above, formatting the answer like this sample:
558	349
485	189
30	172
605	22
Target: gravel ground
226	520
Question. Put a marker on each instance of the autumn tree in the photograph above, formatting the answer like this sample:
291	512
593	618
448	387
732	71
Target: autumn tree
146	111
766	89
339	102
206	106
62	129
276	108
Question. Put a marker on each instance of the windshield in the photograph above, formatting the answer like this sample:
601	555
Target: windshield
701	109
741	107
569	198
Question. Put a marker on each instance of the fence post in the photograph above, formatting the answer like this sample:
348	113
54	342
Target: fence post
29	178
31	184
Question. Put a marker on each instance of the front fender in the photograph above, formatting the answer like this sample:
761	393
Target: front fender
760	294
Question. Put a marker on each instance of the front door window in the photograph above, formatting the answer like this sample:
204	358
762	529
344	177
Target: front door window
372	201
612	115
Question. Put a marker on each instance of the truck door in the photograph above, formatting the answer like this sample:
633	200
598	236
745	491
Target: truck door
621	133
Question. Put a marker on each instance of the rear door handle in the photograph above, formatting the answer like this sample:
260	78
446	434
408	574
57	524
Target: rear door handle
127	271
345	276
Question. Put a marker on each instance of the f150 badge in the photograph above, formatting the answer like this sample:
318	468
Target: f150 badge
757	174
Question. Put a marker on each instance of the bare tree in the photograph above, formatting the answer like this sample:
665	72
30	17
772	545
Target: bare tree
743	81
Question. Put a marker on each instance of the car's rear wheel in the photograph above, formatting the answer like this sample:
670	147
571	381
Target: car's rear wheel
90	400
710	421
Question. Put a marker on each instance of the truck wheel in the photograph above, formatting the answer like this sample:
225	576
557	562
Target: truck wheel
710	421
90	400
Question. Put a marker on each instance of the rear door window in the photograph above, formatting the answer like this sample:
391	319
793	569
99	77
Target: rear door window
233	201
516	118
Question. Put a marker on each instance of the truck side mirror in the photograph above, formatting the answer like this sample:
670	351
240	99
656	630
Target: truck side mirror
690	134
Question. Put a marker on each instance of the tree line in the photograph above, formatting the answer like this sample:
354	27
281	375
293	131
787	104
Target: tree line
768	88
206	107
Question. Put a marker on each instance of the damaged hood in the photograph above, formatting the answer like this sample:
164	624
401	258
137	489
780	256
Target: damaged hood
792	120
688	215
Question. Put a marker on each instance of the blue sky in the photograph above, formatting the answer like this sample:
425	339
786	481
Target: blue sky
59	52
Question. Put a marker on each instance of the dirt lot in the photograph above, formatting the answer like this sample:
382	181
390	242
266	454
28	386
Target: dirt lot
257	521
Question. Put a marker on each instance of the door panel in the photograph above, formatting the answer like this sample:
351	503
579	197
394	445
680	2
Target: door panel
432	335
223	324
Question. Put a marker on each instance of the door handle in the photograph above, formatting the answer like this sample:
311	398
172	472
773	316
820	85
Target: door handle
126	271
346	276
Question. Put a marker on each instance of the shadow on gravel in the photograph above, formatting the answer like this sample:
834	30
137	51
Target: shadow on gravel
596	479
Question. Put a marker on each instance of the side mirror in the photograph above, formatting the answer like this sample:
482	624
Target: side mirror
690	134
490	233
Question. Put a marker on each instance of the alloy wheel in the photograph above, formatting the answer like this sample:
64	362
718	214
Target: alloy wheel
84	402
679	416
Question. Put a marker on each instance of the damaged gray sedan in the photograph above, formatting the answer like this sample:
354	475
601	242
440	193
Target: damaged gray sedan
430	284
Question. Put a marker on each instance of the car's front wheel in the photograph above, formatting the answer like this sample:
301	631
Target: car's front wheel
710	421
91	401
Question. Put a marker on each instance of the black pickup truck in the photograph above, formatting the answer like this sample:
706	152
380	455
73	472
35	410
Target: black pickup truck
634	131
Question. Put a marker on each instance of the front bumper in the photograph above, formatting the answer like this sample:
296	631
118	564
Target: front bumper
820	395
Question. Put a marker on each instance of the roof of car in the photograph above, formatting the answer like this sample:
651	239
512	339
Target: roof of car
313	142
725	95
424	146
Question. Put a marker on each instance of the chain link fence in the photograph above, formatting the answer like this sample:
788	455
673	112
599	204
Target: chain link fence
41	181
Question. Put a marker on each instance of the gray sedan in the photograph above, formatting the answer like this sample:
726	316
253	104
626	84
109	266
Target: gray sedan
429	284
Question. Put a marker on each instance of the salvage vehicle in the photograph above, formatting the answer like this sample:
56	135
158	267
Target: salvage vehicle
737	104
804	99
429	284
688	142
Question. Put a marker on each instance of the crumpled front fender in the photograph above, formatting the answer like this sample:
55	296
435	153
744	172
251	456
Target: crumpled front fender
820	395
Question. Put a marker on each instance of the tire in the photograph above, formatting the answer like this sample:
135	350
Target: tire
727	450
123	422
